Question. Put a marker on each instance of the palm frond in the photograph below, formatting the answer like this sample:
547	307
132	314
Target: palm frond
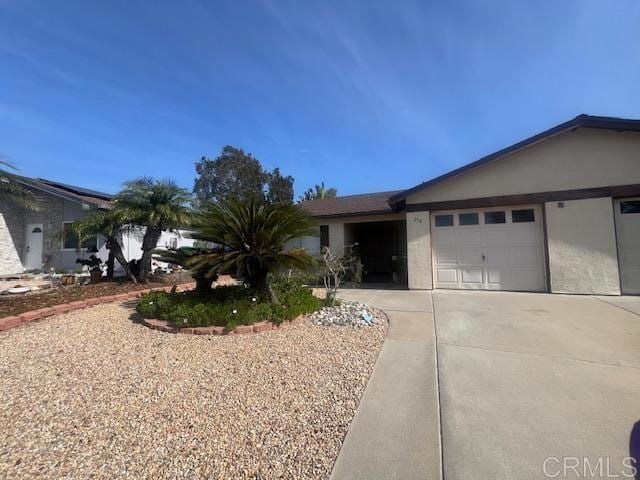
253	237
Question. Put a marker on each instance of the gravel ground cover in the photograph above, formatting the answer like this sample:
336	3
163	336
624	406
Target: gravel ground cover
348	314
91	394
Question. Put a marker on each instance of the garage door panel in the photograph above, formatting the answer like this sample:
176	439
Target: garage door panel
497	275
631	257
471	255
498	256
447	275
495	256
497	236
525	256
469	237
446	255
523	236
522	279
472	275
446	237
627	218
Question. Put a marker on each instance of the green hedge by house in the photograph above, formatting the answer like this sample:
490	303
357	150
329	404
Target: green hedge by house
228	306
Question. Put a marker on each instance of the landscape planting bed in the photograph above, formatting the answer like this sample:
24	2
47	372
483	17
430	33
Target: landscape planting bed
15	305
92	393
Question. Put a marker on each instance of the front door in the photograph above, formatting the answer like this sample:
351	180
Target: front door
33	254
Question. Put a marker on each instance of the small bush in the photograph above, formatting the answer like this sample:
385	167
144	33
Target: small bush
229	306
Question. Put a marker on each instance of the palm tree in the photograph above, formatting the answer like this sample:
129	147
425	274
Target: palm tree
157	205
110	225
12	191
320	192
252	238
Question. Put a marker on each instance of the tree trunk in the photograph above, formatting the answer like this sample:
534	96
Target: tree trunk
110	261
264	288
203	284
114	248
149	243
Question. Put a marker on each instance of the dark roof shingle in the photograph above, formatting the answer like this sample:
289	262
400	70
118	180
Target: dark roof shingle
367	203
70	192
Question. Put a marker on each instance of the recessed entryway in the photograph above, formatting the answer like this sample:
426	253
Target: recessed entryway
499	248
381	248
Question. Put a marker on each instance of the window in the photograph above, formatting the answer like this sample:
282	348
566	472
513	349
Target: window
494	217
444	220
468	219
70	240
324	236
630	206
522	216
36	230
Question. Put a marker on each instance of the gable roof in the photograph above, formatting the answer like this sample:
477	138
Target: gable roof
581	121
72	193
367	203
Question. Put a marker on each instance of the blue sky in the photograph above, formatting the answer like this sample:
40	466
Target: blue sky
365	95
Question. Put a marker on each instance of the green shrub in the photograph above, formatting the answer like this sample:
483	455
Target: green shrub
229	306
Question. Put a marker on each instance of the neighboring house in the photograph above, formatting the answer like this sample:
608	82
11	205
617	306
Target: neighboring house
558	212
34	239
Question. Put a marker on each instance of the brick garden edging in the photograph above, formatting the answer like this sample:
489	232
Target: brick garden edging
168	327
7	323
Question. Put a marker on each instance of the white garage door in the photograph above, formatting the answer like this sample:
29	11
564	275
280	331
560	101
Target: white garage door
628	233
493	249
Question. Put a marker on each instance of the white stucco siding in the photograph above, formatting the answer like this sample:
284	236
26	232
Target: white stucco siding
132	241
582	247
419	251
585	158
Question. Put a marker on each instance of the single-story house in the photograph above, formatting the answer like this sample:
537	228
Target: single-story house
32	240
558	212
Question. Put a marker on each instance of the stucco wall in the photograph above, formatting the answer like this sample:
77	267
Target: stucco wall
66	259
582	247
419	250
585	158
52	212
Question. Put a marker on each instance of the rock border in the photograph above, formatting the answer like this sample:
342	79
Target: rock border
168	327
12	321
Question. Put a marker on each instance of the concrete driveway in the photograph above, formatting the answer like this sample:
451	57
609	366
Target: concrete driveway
515	380
530	377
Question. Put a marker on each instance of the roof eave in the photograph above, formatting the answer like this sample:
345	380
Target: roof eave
355	214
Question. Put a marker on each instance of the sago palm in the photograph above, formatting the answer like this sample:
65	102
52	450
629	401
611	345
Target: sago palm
253	238
157	205
110	225
14	192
